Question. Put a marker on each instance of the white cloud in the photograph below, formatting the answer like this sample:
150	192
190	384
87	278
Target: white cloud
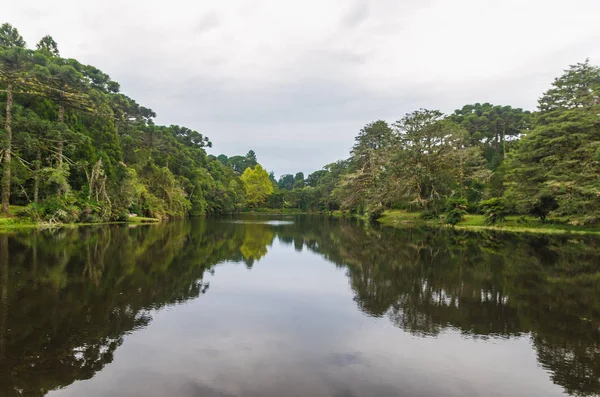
307	68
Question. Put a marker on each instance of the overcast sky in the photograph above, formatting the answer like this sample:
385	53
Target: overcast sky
296	80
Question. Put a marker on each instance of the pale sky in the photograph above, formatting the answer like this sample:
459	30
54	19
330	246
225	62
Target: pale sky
296	80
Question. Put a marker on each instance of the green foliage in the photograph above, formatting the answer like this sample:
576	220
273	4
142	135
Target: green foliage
456	209
257	184
299	180
88	153
543	207
492	128
286	182
10	37
541	163
374	212
63	118
558	158
48	46
495	210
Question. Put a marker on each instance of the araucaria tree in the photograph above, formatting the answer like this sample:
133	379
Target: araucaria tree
75	149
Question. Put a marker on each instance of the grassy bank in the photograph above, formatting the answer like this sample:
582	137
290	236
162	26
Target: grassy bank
516	223
14	222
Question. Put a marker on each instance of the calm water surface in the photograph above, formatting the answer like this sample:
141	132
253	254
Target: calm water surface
297	306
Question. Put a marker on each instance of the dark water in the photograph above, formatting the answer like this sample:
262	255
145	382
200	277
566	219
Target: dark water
297	306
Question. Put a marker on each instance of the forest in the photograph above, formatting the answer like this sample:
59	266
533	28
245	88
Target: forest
76	149
483	158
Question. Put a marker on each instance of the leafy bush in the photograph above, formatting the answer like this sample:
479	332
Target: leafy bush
59	209
431	214
543	207
455	211
434	211
495	210
32	211
123	216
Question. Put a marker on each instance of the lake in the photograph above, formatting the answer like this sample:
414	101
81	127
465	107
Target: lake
297	306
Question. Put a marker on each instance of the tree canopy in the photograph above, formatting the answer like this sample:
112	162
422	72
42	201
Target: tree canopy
542	163
74	148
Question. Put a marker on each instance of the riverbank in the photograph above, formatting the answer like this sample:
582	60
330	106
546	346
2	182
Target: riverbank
282	211
391	218
515	223
14	222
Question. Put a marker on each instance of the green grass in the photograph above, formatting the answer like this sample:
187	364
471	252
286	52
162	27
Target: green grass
515	223
142	219
12	222
398	218
13	210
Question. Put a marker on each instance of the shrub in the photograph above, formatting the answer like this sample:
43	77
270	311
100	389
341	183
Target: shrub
433	211
495	210
455	211
32	211
431	214
123	216
59	209
543	207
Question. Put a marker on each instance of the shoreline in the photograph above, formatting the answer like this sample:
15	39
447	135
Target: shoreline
474	223
16	223
392	218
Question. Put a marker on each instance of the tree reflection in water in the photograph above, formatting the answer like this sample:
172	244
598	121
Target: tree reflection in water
69	297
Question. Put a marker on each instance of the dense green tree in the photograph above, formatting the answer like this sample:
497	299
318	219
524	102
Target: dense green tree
359	188
48	46
258	185
10	37
418	163
298	180
314	178
223	159
576	88
560	158
424	169
490	127
286	182
240	163
372	137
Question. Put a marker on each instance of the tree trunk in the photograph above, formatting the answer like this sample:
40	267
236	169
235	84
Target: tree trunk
504	140
462	177
3	293
36	178
497	139
61	120
7	150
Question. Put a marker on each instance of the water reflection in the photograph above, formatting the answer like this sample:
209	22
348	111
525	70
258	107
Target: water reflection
69	297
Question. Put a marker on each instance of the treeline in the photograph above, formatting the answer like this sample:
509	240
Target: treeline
74	148
495	160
